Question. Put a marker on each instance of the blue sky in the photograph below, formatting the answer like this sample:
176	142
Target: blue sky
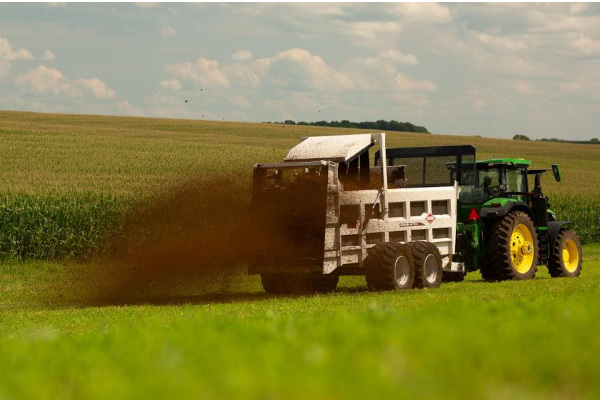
495	69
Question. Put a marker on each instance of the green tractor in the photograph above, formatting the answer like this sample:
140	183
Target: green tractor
505	229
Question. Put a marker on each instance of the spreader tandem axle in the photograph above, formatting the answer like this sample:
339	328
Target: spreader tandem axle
403	217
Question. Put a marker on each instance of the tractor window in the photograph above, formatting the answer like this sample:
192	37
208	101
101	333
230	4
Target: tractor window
516	180
489	182
487	186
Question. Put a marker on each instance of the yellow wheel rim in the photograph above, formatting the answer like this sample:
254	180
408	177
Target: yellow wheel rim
522	248
570	255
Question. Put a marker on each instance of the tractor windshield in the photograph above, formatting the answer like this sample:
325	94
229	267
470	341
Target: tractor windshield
494	181
486	186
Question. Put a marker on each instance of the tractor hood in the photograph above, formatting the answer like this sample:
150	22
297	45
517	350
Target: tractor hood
342	148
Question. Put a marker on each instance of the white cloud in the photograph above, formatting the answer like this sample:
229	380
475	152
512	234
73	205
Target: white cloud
44	80
578	8
502	42
96	87
47	55
248	74
381	72
387	60
409	103
126	107
422	12
7	53
240	101
56	5
370	32
242	55
398	57
408	84
203	72
171	84
298	67
50	81
586	46
300	70
321	9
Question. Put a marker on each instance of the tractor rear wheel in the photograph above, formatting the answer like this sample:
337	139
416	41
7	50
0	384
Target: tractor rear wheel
389	266
513	249
566	257
428	264
274	283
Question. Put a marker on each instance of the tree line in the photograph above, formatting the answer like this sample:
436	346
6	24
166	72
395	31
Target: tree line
381	125
591	141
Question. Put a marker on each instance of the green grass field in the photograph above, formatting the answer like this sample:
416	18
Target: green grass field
66	181
519	340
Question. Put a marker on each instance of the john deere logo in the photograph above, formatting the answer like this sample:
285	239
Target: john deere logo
430	218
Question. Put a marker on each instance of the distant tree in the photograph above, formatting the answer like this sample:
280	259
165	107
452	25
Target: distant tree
594	140
520	137
380	125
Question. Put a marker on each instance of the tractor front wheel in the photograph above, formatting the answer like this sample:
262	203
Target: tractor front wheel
566	256
513	244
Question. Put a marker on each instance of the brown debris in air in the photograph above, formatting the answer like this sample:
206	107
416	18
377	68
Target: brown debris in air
188	243
193	244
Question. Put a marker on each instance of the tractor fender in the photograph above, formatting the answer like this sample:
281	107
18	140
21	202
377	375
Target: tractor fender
494	212
553	229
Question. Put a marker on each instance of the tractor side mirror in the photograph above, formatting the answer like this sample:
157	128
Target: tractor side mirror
557	172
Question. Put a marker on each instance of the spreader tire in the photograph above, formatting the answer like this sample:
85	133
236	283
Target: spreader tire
389	266
566	257
513	244
428	264
323	283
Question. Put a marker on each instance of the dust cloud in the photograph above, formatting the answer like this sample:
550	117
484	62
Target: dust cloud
195	241
188	243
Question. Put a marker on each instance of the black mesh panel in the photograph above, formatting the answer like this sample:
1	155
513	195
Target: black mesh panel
434	166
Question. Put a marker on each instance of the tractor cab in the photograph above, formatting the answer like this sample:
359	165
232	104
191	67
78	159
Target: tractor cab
496	178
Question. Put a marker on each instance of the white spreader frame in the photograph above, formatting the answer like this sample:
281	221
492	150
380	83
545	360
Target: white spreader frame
422	213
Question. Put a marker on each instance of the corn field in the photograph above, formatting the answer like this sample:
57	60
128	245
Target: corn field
47	227
67	182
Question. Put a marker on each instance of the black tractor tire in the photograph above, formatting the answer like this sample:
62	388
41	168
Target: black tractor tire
274	283
389	266
510	249
429	270
562	262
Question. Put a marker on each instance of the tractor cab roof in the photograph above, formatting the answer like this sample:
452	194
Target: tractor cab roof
511	162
